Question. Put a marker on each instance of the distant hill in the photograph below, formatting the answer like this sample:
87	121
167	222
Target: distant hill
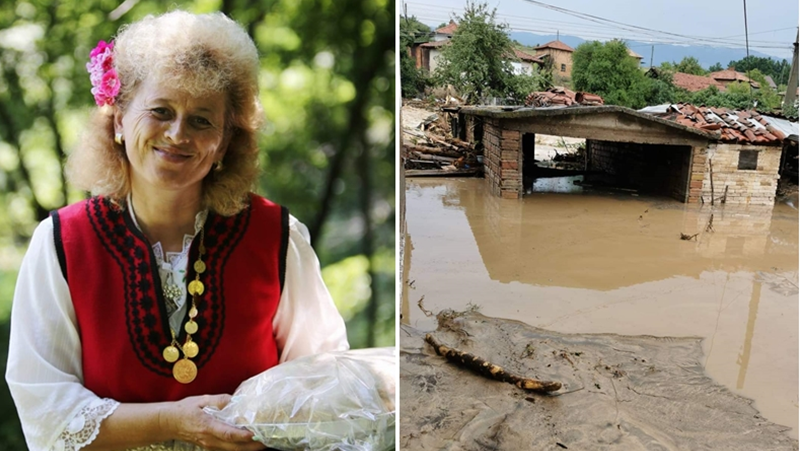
707	56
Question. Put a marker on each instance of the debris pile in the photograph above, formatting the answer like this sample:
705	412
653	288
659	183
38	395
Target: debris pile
558	96
429	148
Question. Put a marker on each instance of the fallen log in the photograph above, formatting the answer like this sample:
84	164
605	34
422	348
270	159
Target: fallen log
436	151
440	141
424	156
488	369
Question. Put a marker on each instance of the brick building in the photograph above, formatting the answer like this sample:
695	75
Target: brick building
679	151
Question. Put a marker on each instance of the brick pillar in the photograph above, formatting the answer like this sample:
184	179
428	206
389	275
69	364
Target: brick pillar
697	174
510	164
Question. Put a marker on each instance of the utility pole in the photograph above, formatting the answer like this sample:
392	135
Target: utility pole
791	87
652	51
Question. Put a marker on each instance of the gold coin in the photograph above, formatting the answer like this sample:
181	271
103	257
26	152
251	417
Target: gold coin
171	353
191	349
184	371
196	287
199	267
190	327
193	312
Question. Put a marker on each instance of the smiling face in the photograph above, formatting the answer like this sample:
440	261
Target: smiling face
172	138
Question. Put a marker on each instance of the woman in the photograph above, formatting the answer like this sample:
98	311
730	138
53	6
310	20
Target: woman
157	297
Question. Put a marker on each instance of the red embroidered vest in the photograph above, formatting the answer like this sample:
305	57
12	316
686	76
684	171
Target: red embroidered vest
119	304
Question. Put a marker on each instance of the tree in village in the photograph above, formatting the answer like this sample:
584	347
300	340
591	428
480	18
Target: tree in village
716	67
606	69
778	70
690	65
476	61
412	31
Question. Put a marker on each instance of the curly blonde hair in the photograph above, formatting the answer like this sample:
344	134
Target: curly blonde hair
200	54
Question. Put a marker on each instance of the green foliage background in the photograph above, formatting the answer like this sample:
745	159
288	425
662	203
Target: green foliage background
327	85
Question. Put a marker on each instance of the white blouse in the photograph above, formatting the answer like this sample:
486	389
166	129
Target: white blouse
44	371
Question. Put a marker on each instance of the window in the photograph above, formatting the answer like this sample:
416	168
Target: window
748	160
563	68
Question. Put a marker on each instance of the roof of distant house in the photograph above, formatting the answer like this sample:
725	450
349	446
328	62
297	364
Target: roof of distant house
435	44
538	58
732	75
734	126
694	83
634	54
771	82
448	29
558	45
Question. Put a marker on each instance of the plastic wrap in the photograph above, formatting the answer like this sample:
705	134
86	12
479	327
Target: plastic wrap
330	401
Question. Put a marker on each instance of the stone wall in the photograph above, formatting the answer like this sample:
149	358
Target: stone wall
748	187
502	159
651	168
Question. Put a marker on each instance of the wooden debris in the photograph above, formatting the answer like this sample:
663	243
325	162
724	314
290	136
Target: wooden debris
430	149
710	225
488	369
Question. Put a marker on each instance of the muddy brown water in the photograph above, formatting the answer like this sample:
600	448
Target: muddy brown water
603	263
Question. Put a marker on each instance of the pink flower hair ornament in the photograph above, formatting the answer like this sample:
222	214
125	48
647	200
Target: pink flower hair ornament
105	82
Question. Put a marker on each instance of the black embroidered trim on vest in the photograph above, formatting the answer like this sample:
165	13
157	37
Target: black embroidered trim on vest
62	257
145	308
284	245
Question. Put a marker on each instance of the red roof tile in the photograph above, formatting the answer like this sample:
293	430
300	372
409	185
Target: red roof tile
735	126
528	57
731	75
558	45
448	29
557	96
694	83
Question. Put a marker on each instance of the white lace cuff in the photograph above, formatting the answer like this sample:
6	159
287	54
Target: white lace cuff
83	428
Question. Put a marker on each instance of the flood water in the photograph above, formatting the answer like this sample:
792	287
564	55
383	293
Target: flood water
615	263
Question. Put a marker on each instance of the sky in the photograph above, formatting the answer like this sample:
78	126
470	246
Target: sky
771	24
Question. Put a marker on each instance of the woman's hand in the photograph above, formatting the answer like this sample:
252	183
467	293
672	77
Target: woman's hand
185	420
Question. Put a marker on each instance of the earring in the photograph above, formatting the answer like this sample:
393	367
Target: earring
218	166
118	138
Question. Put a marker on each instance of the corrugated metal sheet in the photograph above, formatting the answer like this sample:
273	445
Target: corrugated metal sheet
790	129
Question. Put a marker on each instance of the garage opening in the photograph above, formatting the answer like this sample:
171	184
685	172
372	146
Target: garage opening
654	169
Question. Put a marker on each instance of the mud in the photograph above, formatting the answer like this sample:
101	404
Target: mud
621	393
614	264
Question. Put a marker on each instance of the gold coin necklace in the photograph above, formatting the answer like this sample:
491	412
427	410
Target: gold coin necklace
185	370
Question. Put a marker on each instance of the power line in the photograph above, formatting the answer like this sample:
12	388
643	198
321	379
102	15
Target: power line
430	13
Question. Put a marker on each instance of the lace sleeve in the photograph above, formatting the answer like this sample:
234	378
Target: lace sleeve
83	428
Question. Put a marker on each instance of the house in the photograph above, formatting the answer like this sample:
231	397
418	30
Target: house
689	82
729	76
681	151
560	55
446	32
635	56
526	62
771	82
427	54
